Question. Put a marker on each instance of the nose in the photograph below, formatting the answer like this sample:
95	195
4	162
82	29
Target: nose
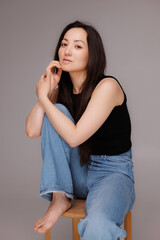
68	50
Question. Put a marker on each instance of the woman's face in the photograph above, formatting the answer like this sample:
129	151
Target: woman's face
73	52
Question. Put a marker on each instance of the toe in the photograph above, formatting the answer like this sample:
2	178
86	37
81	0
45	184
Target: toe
43	229
37	224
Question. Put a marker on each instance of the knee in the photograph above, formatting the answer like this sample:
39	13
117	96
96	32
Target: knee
46	121
47	126
64	109
61	107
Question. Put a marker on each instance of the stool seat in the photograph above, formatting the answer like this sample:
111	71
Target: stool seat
77	212
77	209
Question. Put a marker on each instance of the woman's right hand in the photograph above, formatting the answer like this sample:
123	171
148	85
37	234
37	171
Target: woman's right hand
35	118
53	77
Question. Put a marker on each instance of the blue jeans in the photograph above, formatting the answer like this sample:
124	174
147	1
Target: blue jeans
106	182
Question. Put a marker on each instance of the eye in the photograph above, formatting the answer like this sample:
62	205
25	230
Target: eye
63	44
77	46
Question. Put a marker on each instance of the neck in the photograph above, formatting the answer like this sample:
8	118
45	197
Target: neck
77	79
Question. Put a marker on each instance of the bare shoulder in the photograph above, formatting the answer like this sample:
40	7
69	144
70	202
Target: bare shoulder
108	82
110	86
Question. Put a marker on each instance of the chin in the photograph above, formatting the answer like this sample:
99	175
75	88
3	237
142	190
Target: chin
66	69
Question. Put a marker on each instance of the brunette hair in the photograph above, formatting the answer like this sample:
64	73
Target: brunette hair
95	69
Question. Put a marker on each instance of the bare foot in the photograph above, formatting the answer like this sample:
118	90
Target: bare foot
58	206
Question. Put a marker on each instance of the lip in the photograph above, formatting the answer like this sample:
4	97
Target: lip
66	60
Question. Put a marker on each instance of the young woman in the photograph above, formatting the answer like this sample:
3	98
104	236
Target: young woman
84	124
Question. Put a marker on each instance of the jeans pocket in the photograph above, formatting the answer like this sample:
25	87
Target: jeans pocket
123	158
117	159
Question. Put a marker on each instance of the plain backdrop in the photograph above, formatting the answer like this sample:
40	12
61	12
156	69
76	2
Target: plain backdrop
29	31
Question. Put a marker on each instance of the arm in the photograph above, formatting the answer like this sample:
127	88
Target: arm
105	97
34	121
35	118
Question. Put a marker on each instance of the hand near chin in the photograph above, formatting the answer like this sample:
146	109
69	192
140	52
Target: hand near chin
48	82
54	77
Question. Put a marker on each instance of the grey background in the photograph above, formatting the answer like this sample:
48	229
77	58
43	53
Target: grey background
29	32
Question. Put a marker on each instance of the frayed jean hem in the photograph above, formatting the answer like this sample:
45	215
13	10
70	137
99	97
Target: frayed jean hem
48	194
122	234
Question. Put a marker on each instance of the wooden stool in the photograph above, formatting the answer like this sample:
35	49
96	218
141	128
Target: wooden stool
77	212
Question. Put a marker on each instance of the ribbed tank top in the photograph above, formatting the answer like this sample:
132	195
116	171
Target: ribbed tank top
114	136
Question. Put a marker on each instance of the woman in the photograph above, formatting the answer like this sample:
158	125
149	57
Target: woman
85	129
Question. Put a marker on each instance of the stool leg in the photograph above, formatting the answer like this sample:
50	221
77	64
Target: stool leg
75	222
128	225
48	235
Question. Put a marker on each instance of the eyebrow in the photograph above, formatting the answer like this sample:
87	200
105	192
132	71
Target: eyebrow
74	40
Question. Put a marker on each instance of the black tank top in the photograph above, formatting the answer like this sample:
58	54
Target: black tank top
114	136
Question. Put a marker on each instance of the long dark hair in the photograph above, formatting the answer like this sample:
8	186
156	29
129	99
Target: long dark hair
95	69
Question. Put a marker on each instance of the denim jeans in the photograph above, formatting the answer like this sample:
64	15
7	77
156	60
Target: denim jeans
106	182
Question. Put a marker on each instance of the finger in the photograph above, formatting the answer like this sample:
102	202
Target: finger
48	76
59	72
43	76
52	68
53	64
